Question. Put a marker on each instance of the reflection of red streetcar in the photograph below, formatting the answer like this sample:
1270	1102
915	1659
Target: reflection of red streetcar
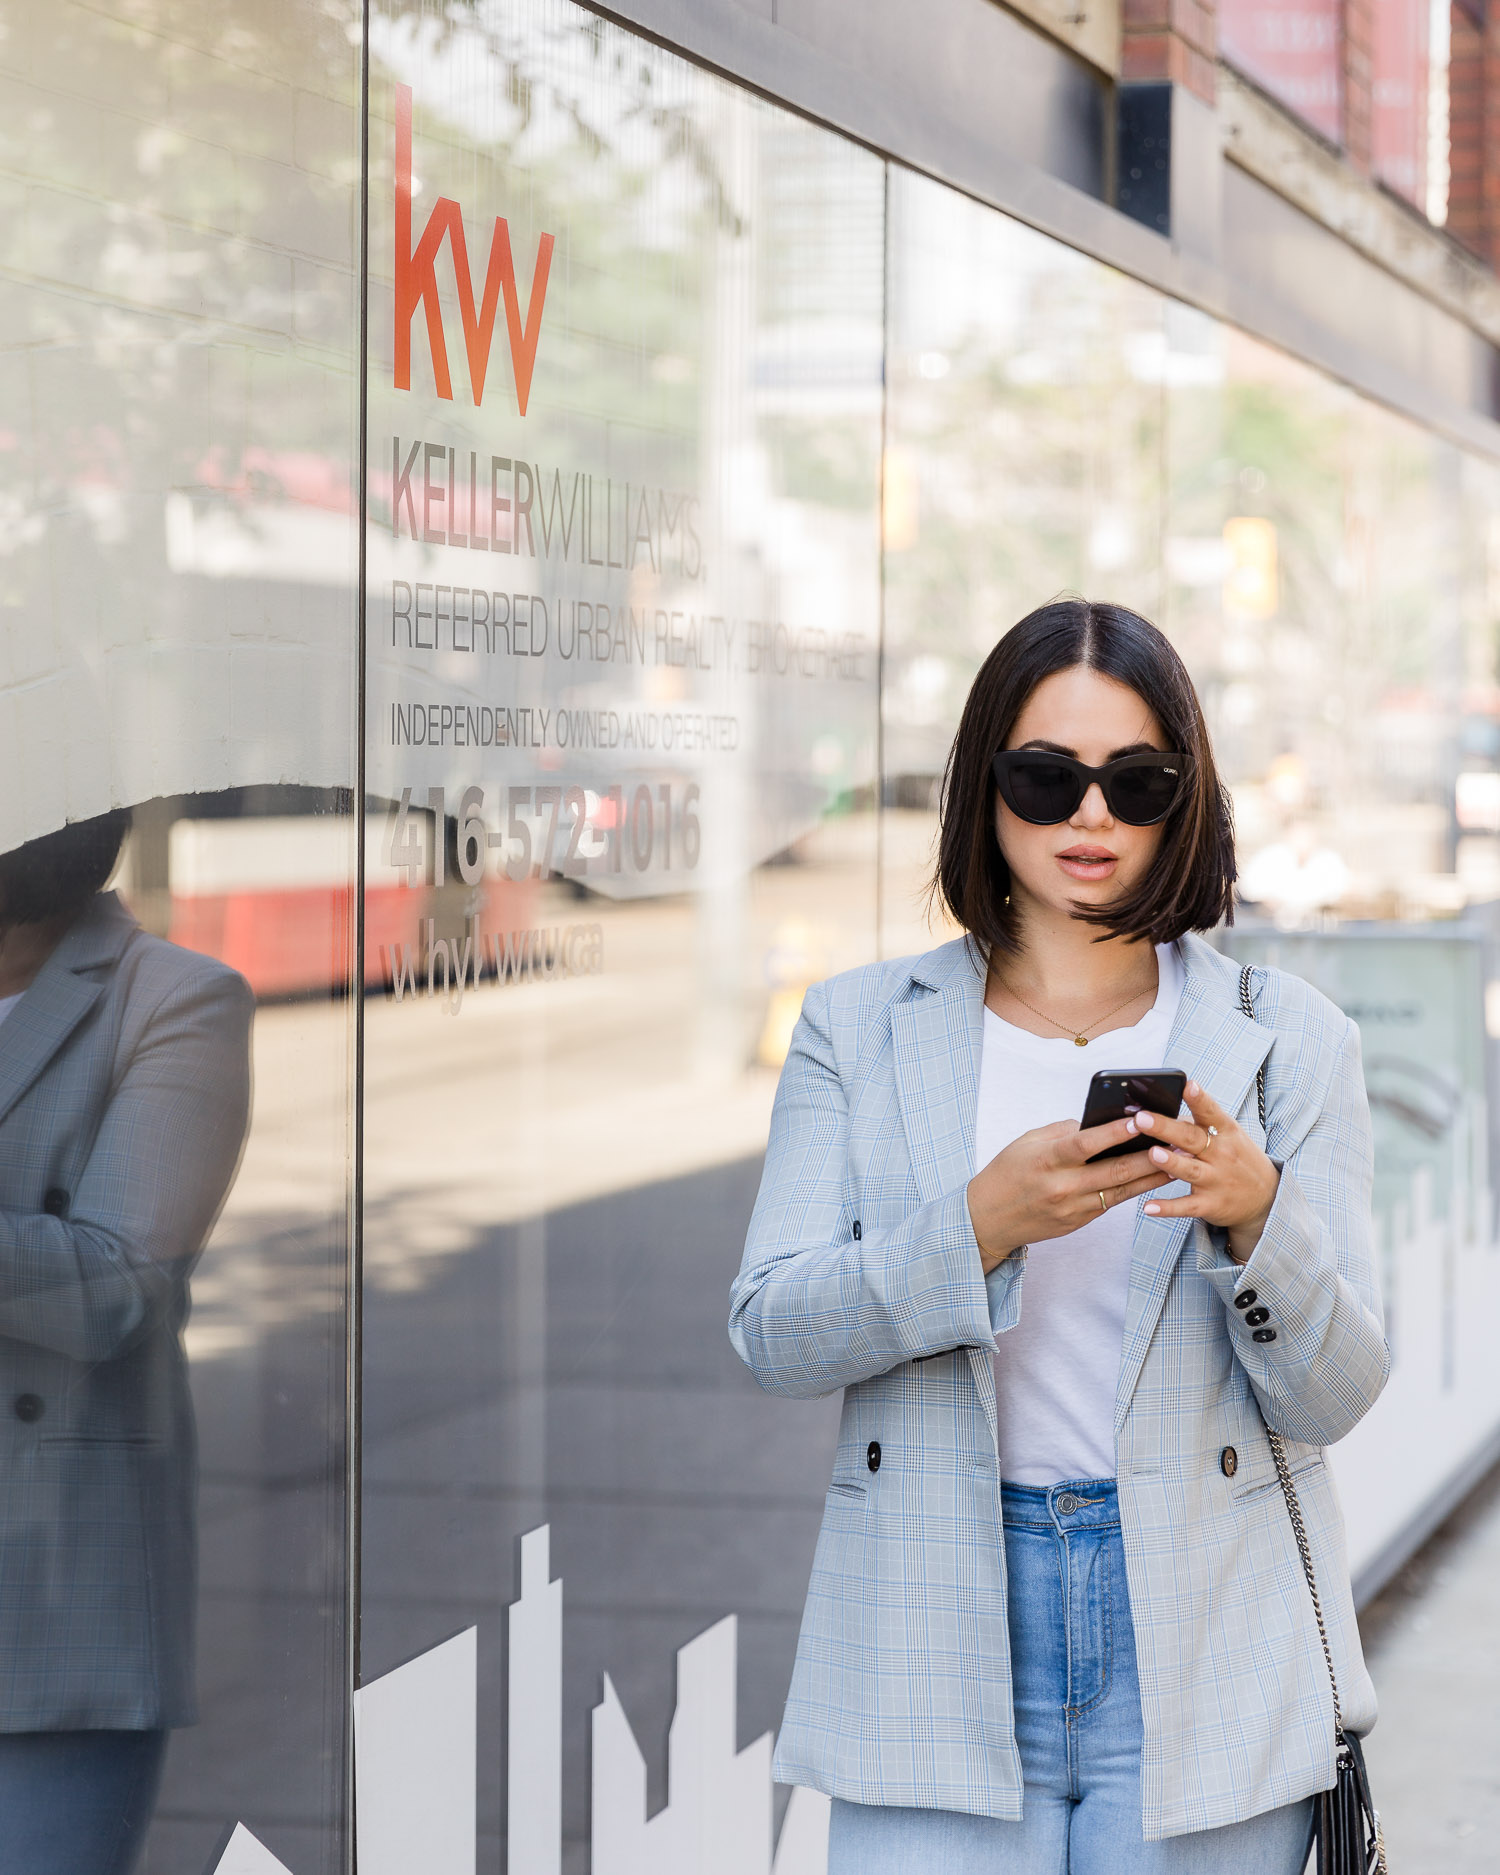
272	894
272	897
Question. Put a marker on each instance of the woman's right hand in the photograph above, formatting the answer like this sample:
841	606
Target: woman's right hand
1041	1186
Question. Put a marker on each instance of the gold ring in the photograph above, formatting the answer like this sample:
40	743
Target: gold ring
1213	1134
1103	1206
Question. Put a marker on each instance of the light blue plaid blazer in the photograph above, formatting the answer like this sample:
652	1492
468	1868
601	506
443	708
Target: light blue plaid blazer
901	1692
124	1099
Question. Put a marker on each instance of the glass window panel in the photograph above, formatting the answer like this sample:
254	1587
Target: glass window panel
1343	642
623	637
1023	460
178	470
1402	81
1336	607
1327	570
1293	51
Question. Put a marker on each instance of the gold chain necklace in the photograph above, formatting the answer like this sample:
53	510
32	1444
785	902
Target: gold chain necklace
1080	1036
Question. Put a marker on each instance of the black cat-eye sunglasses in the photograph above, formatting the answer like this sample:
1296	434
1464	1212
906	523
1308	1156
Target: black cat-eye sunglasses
1045	788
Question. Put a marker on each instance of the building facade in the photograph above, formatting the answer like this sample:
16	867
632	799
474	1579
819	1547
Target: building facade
512	497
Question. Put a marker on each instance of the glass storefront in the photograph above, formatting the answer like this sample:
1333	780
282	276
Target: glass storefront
705	456
1327	569
179	467
622	725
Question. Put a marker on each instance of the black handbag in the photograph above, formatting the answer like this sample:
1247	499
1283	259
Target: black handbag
1347	1836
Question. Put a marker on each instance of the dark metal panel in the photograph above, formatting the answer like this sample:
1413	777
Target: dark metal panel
977	97
995	77
1144	186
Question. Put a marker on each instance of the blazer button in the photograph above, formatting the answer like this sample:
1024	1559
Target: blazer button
1257	1318
29	1407
1245	1299
858	1233
1264	1334
55	1204
872	1455
1229	1461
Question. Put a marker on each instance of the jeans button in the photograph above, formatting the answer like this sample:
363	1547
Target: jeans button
1067	1504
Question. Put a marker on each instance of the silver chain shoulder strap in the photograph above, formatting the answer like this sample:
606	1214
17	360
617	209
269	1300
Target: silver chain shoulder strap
1278	1449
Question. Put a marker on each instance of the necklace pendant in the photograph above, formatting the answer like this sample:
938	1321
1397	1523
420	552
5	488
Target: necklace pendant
1080	1041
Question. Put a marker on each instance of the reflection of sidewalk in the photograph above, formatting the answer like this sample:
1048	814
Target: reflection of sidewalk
1433	1640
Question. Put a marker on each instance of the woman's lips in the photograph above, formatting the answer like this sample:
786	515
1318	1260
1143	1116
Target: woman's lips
1087	862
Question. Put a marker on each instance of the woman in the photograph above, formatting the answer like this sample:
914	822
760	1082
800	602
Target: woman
1083	1355
124	1099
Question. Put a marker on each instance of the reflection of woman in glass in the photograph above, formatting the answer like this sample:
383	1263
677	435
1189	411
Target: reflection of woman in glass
1057	1618
124	1096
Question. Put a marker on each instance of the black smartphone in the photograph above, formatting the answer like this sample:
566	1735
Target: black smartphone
1116	1093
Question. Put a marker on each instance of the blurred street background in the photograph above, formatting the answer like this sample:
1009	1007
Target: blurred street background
1433	1643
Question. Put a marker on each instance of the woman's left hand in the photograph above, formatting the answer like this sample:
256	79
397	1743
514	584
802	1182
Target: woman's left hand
1233	1182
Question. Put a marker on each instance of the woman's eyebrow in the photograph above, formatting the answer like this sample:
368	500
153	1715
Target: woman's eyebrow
1058	748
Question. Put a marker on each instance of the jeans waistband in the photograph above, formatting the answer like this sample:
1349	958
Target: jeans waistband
1075	1504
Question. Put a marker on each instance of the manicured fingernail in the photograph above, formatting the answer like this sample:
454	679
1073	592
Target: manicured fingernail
1192	1090
1153	1210
1159	1155
1130	1126
1148	1120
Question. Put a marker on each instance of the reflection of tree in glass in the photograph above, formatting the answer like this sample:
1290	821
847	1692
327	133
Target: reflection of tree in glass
713	314
587	133
1034	448
193	153
1365	616
1344	698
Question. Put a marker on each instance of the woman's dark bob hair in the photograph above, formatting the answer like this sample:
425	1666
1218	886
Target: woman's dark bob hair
57	875
1190	887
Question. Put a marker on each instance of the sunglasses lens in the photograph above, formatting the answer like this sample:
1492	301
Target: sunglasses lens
1142	795
1042	792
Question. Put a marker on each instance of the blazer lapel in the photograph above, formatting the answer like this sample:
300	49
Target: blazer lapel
60	996
938	1035
939	1039
1221	1049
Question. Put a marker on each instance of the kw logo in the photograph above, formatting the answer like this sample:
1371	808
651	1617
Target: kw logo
416	285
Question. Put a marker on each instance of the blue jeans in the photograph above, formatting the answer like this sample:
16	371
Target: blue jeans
1078	1727
76	1803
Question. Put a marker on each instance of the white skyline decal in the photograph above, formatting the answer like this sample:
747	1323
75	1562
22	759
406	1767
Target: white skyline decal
534	1704
243	1855
416	1765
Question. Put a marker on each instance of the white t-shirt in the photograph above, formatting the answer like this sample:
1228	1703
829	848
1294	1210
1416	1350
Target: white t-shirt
1057	1370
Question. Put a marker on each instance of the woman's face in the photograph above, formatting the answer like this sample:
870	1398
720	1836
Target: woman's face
1092	859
